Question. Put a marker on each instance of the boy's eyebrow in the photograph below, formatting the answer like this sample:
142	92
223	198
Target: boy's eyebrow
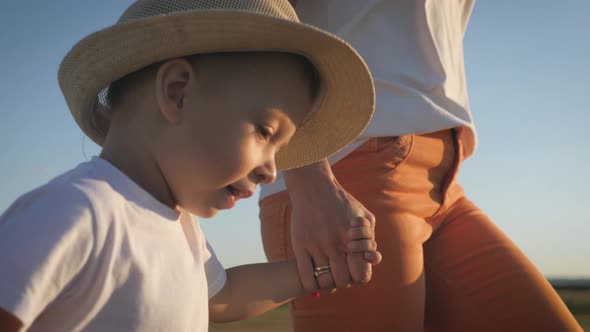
284	123
279	113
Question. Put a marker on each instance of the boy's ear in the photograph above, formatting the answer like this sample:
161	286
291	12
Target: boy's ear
173	80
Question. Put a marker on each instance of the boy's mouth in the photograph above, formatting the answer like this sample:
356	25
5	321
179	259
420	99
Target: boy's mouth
239	193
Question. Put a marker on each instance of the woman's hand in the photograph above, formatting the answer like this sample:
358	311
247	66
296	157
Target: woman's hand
322	213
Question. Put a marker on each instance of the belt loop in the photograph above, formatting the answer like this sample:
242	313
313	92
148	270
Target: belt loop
374	144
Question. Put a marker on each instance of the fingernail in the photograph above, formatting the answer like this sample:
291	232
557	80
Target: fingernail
316	295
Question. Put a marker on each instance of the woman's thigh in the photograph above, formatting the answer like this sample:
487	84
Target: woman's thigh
478	280
392	301
395	184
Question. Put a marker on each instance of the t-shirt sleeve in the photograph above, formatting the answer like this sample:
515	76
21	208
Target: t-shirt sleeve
46	237
216	275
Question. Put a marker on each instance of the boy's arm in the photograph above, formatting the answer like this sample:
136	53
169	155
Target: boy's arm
8	322
253	289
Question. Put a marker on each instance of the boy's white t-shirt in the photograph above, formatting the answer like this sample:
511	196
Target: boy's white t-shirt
93	251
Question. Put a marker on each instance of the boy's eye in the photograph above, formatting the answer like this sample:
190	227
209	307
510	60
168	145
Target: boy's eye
264	132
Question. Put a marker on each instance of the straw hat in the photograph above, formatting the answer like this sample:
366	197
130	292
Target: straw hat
150	31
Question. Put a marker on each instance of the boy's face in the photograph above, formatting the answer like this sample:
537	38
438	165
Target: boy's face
233	113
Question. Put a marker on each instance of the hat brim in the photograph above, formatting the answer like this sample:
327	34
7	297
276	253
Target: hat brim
343	111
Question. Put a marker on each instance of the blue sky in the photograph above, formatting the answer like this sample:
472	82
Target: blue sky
528	70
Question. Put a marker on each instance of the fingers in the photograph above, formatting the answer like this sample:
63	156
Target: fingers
367	221
361	242
344	255
339	268
360	222
360	269
305	268
359	233
373	257
361	228
324	279
368	248
361	246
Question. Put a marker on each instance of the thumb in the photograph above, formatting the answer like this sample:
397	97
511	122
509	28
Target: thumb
373	257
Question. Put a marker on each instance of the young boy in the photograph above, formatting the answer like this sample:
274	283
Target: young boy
201	96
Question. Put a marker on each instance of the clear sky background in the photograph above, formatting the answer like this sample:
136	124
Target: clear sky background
528	71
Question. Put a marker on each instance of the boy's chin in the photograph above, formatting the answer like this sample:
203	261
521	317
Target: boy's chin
208	212
202	210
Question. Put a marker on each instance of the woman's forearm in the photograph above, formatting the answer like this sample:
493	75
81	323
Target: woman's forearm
253	289
309	179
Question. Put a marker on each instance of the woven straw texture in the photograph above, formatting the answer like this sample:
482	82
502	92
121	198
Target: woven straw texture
150	31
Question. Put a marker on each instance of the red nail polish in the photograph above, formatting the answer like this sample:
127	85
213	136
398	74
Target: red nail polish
316	295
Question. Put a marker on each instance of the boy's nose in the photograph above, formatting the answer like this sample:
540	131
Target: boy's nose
266	173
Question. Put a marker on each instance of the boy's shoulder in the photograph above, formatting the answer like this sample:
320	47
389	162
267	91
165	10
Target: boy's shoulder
55	219
58	231
72	197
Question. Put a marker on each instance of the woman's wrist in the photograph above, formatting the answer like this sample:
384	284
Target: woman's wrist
310	178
